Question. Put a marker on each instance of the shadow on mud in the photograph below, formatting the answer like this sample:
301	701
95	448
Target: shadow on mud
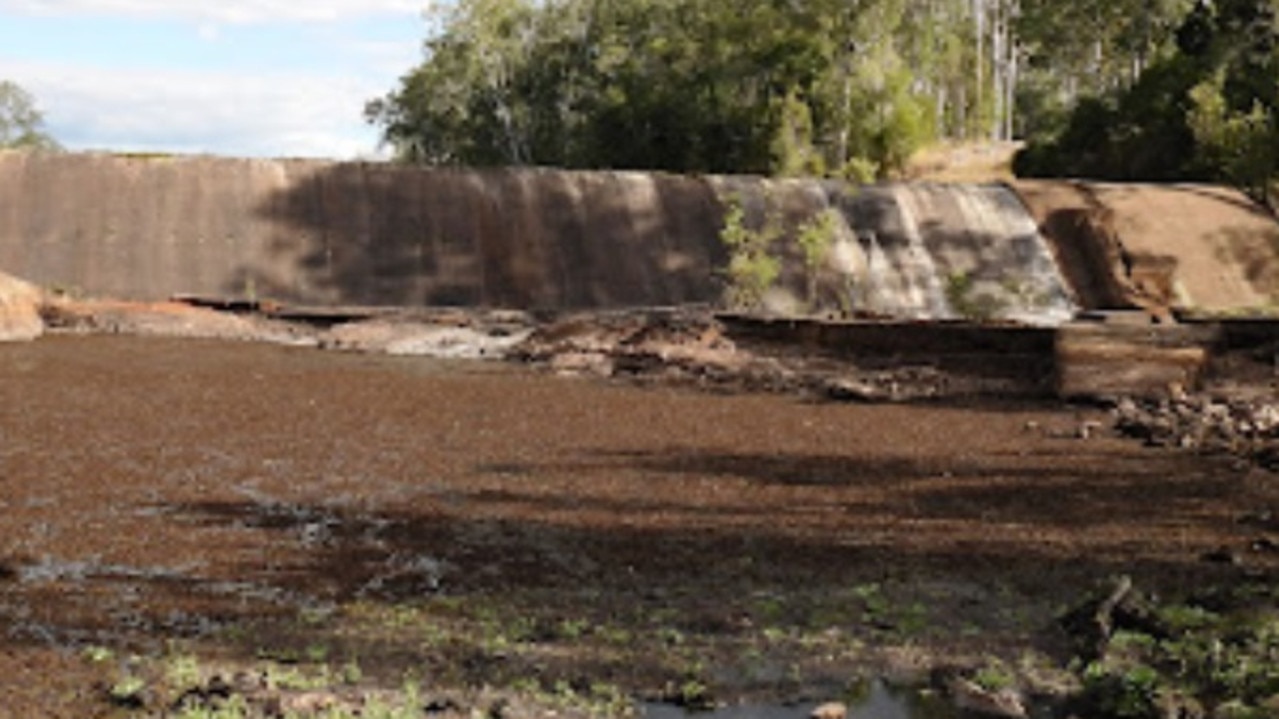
755	600
251	503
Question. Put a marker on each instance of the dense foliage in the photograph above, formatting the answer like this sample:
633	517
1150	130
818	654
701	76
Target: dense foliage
1111	88
842	87
1204	111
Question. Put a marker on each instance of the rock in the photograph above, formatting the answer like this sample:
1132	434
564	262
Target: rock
853	390
167	319
969	697
592	363
1248	429
20	304
1088	429
830	710
422	339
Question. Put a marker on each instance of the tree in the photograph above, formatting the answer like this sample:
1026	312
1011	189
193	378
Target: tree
20	121
757	86
1206	111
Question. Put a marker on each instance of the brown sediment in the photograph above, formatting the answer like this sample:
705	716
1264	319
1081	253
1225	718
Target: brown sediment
159	490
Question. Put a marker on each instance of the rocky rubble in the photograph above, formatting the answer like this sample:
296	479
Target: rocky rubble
450	335
675	345
166	319
1244	427
691	346
671	343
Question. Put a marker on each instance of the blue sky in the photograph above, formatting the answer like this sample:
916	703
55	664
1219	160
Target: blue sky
264	78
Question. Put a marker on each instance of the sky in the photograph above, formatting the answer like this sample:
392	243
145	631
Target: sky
242	78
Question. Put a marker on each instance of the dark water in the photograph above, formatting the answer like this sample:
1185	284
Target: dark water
876	700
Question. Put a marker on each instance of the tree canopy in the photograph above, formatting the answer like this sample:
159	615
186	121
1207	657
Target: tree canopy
765	86
1204	111
1113	88
21	123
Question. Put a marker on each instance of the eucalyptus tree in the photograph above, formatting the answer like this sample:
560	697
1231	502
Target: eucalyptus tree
21	122
689	85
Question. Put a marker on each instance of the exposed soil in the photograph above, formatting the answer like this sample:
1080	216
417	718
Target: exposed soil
478	524
1195	249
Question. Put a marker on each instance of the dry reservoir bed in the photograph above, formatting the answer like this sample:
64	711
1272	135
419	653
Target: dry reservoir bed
471	524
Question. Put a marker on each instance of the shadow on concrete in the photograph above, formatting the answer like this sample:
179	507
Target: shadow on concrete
380	234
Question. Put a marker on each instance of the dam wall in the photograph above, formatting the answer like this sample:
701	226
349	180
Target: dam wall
355	233
323	233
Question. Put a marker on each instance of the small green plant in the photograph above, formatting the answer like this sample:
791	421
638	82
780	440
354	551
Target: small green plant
128	691
615	635
671	637
572	629
317	653
695	695
912	619
967	302
351	673
874	603
752	270
183	671
770	608
1025	293
815	237
775	635
1226	660
1122	693
98	655
994	676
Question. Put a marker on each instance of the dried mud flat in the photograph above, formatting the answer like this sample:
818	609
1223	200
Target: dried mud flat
491	531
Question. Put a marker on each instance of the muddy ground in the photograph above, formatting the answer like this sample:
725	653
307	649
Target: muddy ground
487	530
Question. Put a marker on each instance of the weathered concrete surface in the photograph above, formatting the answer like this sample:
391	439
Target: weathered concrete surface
925	251
1188	247
19	310
325	233
329	233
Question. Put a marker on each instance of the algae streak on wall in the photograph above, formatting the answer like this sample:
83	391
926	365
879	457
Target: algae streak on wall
917	251
351	233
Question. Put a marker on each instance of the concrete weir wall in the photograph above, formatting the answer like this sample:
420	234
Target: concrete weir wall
355	233
351	233
325	233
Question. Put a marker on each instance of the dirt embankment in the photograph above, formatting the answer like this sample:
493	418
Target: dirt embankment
1188	248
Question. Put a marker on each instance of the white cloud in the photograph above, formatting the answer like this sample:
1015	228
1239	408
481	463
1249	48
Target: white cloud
282	115
209	31
227	11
